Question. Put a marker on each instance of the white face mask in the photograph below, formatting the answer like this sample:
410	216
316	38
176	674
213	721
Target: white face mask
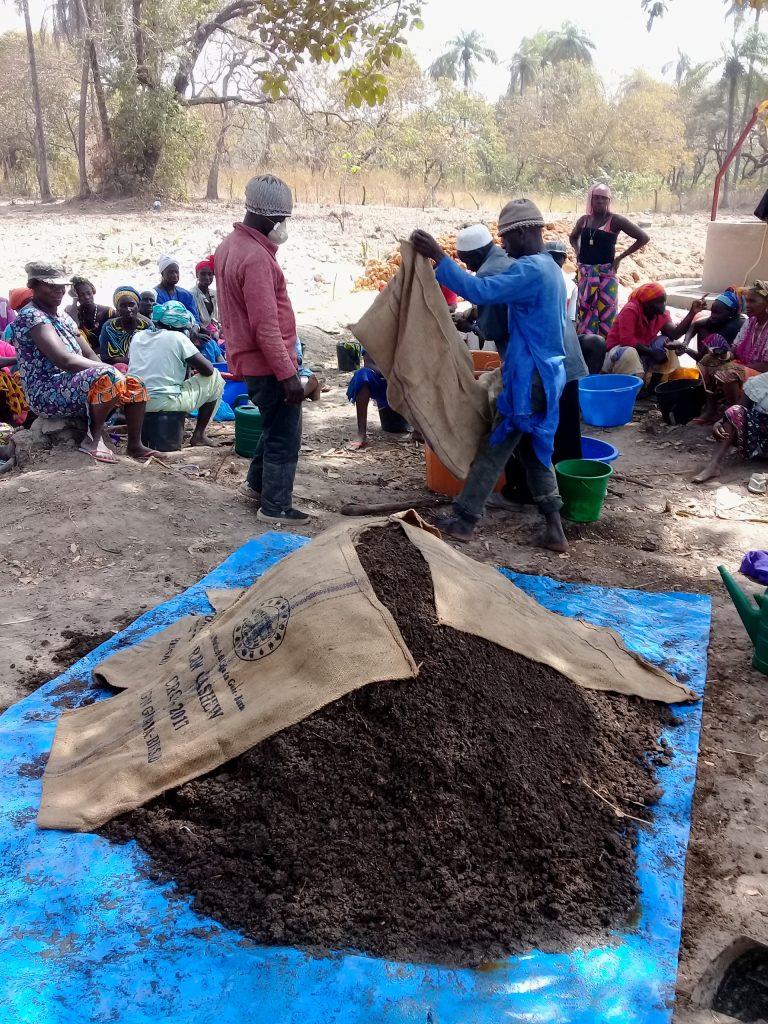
279	233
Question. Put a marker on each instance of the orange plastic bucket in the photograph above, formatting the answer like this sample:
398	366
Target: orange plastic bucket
441	481
485	360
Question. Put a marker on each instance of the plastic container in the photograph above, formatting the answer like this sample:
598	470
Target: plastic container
598	451
441	481
583	484
684	373
485	360
349	356
248	430
681	400
221	367
163	431
608	400
233	388
393	422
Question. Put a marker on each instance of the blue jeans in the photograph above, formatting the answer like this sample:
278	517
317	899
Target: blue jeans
273	468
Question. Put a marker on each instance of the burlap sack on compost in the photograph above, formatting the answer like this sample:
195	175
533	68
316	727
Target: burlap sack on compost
284	649
430	380
308	631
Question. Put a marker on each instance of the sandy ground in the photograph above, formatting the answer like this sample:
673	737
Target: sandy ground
88	547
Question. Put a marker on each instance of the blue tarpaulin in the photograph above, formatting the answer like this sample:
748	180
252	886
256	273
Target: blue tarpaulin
87	935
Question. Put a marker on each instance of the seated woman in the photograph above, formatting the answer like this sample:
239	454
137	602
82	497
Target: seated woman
714	333
147	300
13	404
168	290
747	357
116	334
641	342
62	376
205	299
313	387
744	426
87	314
162	357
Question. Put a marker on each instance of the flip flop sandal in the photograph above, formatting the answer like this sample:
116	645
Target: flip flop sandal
106	457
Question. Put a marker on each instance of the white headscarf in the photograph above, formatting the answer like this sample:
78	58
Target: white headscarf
167	261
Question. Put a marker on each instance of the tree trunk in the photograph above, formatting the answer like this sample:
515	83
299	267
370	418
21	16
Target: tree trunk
41	148
101	99
747	100
212	187
82	124
729	132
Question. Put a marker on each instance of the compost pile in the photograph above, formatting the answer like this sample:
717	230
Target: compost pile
652	264
459	817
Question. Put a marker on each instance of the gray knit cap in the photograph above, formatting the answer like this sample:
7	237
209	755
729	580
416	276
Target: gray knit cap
518	214
557	245
268	196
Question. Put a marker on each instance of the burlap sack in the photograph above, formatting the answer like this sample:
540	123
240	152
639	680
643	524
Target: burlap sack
308	631
410	335
475	598
131	667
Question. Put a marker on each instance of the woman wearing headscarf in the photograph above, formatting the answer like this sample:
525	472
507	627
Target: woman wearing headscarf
205	299
116	334
594	239
748	355
13	404
162	357
643	339
168	290
62	376
714	334
744	427
89	316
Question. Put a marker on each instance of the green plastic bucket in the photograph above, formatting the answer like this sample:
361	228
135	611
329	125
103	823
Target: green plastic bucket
583	484
248	430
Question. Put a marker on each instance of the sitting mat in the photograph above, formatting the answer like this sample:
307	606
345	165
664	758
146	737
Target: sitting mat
88	936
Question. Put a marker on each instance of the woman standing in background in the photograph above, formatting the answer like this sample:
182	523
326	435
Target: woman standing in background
594	241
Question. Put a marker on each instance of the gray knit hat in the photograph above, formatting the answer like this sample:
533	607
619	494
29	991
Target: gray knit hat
268	196
557	245
520	213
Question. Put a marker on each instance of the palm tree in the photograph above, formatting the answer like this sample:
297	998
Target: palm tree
738	62
683	66
41	147
460	59
569	42
658	8
523	68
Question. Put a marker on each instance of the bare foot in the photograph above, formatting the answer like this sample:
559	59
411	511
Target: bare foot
456	528
202	441
356	446
708	473
142	453
702	421
553	538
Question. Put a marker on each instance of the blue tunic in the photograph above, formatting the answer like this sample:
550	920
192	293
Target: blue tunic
187	299
534	292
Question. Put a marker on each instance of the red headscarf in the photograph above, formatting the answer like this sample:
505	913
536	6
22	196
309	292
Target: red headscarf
206	264
648	292
18	297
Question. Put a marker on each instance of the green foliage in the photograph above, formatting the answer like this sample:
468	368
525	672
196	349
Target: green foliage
461	58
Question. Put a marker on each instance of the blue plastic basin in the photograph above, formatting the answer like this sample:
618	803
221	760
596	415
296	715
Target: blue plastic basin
598	451
221	367
232	391
608	400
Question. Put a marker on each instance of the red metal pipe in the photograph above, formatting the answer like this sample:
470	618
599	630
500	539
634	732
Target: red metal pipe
729	160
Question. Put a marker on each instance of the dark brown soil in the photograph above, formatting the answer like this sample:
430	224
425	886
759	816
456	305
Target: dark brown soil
452	818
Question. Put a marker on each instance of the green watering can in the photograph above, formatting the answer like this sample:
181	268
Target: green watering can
755	619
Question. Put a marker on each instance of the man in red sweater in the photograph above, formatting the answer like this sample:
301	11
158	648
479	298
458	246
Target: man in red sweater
259	328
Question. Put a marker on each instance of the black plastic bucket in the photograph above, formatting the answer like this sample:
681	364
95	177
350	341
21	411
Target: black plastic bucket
348	356
163	431
680	401
392	422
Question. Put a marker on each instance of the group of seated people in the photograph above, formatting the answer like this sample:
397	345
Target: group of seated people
729	347
150	351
